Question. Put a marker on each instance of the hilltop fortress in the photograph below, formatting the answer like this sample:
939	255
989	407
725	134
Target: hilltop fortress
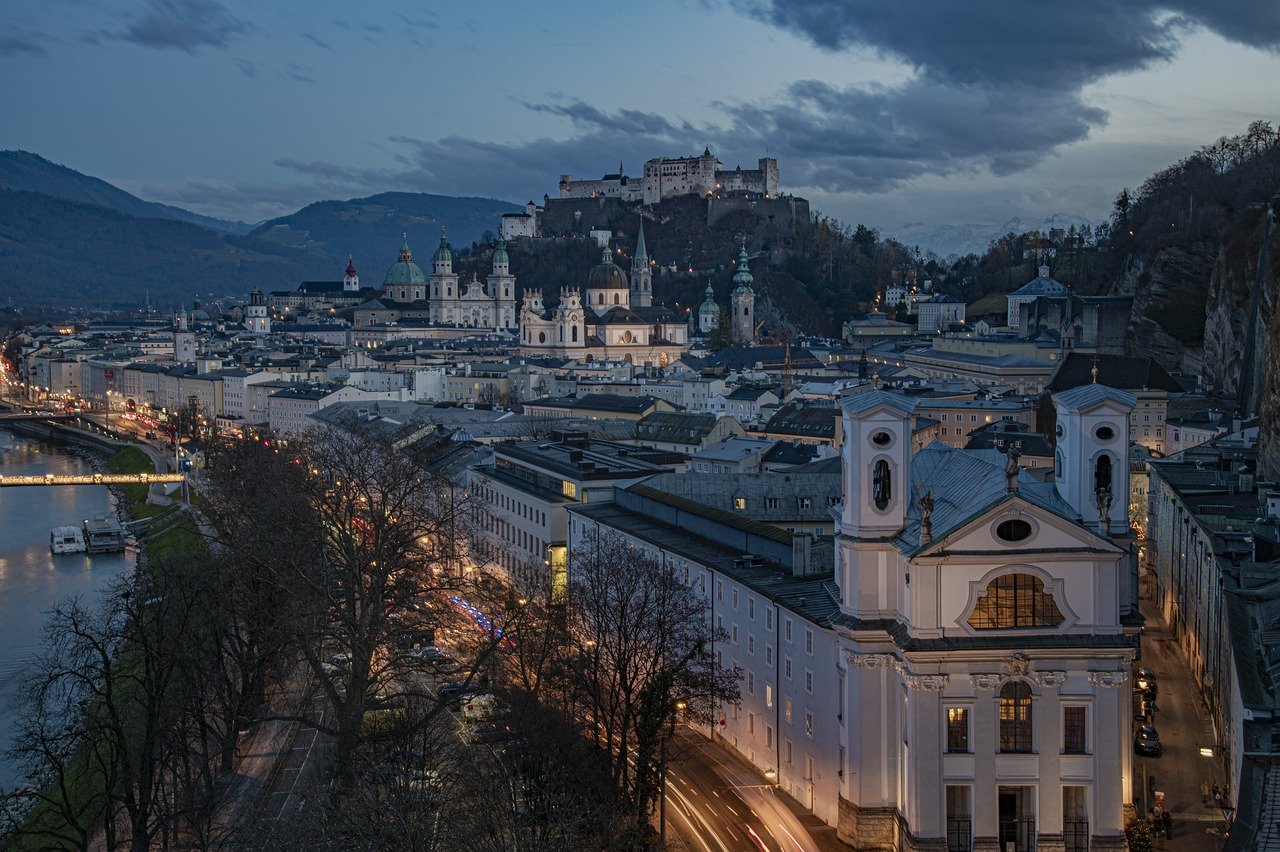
667	178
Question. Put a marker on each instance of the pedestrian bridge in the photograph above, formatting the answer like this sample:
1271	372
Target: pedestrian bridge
90	479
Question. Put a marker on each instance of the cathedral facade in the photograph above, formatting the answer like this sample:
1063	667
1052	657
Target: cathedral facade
614	319
472	304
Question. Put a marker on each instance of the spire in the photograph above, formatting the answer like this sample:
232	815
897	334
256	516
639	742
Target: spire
406	255
351	264
642	253
742	278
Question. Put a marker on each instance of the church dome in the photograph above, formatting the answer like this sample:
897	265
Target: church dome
404	270
500	253
710	306
608	275
443	255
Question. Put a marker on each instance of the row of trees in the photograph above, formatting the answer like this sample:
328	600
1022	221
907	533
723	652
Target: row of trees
329	563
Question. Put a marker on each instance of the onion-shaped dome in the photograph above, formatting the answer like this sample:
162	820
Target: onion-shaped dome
608	275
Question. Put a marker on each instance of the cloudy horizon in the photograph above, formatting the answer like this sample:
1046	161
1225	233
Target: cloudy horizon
932	112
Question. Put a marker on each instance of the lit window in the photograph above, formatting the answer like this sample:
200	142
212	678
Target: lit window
1015	716
957	729
740	503
1015	601
569	489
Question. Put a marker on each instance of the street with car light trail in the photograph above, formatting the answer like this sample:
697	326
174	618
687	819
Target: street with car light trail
716	804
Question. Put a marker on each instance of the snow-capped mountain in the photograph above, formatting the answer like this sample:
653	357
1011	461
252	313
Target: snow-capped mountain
971	238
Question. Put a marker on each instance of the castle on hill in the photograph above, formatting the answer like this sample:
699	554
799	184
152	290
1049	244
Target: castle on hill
671	177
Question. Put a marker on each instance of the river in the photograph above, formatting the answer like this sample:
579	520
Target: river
32	579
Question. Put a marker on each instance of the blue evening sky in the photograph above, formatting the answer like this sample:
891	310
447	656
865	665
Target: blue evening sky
881	112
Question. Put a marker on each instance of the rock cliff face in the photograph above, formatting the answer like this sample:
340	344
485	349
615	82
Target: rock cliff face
1238	314
1167	288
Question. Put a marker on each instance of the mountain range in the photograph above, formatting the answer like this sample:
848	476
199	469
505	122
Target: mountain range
71	239
946	240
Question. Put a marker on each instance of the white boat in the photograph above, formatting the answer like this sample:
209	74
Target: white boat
66	540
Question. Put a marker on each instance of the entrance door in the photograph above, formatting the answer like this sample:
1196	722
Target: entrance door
1017	820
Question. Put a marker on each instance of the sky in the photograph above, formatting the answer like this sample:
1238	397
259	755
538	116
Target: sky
882	112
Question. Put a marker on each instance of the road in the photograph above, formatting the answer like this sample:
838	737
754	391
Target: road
1184	728
716	804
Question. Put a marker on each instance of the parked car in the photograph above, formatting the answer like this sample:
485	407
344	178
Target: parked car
488	732
454	689
1144	707
1147	741
1145	680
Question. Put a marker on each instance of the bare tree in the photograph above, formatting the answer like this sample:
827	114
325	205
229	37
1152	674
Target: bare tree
643	657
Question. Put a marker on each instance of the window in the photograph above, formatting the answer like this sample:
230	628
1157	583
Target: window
735	634
808	680
786	748
808	641
768	654
751	608
786	667
806	502
786	710
1102	474
786	629
771	502
740	503
751	644
957	729
734	597
881	484
808	723
751	683
751	723
768	695
1015	601
1073	730
768	736
1015	716
569	489
719	590
768	618
1014	529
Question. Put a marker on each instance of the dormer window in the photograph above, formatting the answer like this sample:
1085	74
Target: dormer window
740	503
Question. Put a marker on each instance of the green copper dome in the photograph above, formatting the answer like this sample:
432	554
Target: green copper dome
608	275
500	253
443	255
742	278
709	306
404	270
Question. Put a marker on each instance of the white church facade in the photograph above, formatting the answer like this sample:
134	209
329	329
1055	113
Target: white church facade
959	678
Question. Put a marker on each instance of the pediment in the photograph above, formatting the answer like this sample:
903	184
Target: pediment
1045	530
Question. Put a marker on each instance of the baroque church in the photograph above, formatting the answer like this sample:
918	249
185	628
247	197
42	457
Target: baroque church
613	320
488	304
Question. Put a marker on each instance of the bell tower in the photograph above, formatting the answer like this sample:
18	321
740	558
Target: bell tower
742	302
641	275
1091	461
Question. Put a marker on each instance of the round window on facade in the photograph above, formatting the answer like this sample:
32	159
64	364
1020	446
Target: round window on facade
882	438
1014	529
1059	431
1104	433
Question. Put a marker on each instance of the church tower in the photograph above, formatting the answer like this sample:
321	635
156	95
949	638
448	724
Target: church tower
743	302
184	340
351	280
641	275
1091	462
256	318
443	285
709	313
502	288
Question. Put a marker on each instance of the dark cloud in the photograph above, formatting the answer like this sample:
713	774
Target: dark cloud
247	68
317	42
184	25
300	73
17	44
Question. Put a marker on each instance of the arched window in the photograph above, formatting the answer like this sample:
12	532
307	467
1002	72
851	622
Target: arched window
881	484
600	299
575	334
1013	601
1057	465
542	337
1102	474
615	299
1015	716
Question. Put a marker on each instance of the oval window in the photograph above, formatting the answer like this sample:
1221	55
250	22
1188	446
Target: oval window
881	439
1059	430
1014	529
1104	433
